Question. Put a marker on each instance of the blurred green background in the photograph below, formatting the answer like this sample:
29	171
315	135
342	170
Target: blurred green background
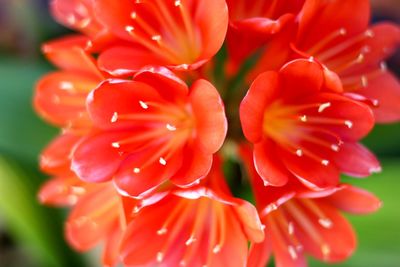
32	235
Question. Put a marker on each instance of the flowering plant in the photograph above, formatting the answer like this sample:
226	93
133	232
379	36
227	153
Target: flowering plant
156	97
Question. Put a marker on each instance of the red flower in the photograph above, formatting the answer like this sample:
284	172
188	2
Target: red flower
60	96
80	15
181	34
339	38
345	44
97	214
253	24
200	226
299	221
152	129
301	128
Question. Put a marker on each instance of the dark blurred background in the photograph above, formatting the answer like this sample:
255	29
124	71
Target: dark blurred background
32	235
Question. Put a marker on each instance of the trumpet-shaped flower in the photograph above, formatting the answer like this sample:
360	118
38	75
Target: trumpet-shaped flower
97	213
200	226
300	222
180	34
313	130
352	51
253	23
152	129
60	96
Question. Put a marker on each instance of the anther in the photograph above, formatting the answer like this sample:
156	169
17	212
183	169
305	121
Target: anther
325	162
364	81
291	228
136	170
160	256
217	249
349	124
162	161
369	33
190	241
325	222
170	127
143	105
156	38
162	231
303	118
66	86
292	252
114	117
335	147
129	28
115	145
323	106
299	152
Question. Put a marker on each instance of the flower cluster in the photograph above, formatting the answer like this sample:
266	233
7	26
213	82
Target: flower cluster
144	95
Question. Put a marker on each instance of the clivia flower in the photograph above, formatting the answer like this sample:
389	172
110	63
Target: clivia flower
199	226
352	51
300	222
302	128
97	213
80	15
151	129
180	34
60	96
254	24
139	98
346	45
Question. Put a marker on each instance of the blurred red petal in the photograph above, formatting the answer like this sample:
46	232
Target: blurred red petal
355	200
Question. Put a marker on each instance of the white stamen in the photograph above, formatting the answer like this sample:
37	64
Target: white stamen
325	250
325	162
369	33
160	256
129	28
170	127
66	86
364	81
114	117
326	223
190	241
115	145
323	106
133	15
136	170
349	124
292	252
143	105
162	231
177	2
303	118
299	152
162	161
156	38
291	228
217	249
335	147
